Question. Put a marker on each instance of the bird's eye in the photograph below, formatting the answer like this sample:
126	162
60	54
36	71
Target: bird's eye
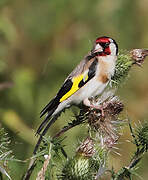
107	44
104	45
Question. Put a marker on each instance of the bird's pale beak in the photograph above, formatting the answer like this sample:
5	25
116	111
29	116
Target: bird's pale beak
98	49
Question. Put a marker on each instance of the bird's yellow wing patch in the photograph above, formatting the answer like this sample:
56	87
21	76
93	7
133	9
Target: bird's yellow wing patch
75	87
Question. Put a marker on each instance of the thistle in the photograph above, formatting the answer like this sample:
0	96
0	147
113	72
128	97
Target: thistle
86	163
90	159
124	63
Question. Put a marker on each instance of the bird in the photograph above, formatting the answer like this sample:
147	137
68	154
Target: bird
89	79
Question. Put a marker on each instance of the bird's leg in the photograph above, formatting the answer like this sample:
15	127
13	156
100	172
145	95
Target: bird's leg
91	104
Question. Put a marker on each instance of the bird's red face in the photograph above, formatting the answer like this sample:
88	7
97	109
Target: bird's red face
105	46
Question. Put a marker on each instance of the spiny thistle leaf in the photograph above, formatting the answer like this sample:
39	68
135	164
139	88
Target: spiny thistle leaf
142	136
140	139
5	153
46	144
122	174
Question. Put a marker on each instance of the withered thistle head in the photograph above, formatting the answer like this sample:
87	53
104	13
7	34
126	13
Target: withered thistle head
138	55
86	148
105	124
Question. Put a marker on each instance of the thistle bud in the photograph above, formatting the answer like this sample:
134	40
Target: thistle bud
78	167
123	65
142	136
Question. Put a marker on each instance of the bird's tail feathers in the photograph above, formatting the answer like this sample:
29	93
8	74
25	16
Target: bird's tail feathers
44	132
49	119
49	109
45	121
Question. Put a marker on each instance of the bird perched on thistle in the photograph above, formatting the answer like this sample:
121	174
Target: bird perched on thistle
87	80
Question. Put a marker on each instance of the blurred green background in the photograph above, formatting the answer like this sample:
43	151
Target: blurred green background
41	41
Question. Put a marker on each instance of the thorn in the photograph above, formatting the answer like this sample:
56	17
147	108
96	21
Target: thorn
114	147
117	153
128	141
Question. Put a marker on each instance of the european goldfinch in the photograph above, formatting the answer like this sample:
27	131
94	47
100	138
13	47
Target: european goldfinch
87	80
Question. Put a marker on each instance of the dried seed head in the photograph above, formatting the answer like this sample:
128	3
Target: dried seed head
106	124
86	148
138	55
111	109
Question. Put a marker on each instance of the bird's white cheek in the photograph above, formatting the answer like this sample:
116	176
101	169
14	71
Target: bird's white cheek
112	49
